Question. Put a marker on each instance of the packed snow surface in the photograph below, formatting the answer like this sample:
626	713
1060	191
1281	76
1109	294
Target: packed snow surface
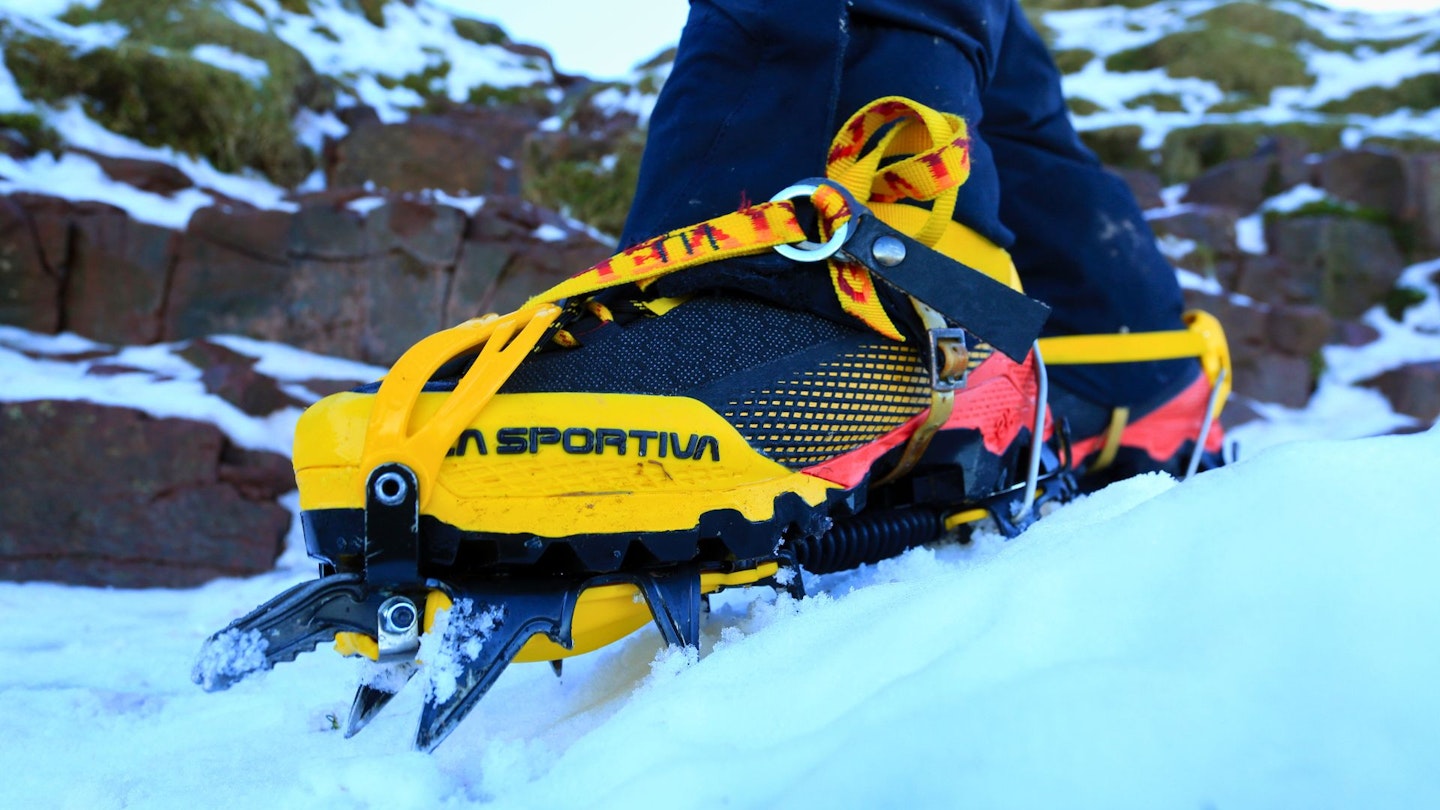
1261	636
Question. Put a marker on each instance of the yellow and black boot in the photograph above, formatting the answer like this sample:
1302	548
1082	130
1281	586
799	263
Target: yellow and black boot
823	379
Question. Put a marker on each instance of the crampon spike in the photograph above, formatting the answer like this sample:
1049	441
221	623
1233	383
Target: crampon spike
369	700
294	622
502	619
674	599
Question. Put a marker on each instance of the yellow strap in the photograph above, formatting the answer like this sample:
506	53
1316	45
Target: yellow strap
1124	347
1203	338
1119	418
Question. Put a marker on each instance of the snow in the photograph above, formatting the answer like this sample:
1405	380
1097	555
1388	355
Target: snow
162	384
312	129
1250	234
1414	340
1140	648
249	68
11	100
550	233
458	637
358	47
77	177
228	657
1337	75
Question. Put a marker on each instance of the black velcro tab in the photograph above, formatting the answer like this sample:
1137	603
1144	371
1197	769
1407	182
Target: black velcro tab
1008	320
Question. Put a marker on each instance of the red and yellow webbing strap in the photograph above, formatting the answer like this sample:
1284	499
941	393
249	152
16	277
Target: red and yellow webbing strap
741	233
930	154
937	162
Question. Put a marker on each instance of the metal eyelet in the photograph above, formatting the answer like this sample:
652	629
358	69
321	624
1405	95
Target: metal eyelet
810	251
391	488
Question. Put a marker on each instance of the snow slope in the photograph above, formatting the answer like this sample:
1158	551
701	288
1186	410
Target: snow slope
1261	636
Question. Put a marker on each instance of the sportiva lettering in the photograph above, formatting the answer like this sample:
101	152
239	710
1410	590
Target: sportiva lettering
582	441
469	439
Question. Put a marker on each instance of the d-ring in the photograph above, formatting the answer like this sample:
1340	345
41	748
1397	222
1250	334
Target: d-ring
810	251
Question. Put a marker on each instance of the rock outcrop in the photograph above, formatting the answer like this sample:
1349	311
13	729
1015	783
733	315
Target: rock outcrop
96	495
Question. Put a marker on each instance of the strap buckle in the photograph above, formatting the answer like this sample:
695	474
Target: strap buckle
948	356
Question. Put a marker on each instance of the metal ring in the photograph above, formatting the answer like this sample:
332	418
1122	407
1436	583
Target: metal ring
810	251
388	481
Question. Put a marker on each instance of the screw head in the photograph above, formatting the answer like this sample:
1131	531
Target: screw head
398	616
888	251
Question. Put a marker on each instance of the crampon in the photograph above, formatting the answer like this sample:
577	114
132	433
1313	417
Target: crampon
636	438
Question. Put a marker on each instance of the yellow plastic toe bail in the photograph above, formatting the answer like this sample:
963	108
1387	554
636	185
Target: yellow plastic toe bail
391	436
1215	356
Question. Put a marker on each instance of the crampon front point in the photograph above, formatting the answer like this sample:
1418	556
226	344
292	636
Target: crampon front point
538	485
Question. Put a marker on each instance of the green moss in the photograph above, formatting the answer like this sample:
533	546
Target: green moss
373	10
1404	233
1413	144
32	130
1317	364
1330	208
572	176
1083	106
534	96
1071	60
1236	61
296	6
1235	102
1417	93
1159	102
1383	45
429	83
1117	146
1188	152
1266	21
149	88
324	31
180	26
1400	299
480	33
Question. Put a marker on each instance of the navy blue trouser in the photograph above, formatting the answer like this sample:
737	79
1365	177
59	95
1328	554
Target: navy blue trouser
759	87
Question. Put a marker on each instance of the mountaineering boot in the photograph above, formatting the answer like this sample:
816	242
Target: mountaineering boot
609	427
824	379
821	380
1176	431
